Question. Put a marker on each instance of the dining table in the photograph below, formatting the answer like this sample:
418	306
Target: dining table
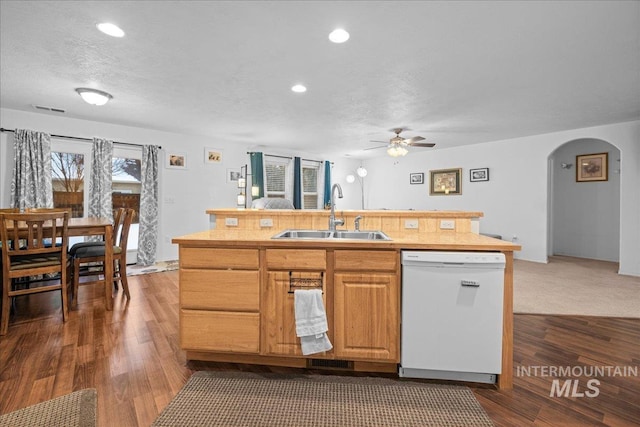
82	227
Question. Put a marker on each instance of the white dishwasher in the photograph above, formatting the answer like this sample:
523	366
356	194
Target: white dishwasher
452	315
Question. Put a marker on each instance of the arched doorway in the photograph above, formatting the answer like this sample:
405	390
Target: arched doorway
584	217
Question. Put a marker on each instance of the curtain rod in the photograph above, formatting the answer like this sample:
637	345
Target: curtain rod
289	157
77	138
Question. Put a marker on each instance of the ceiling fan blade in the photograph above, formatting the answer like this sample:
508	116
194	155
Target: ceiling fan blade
371	148
410	141
382	142
422	144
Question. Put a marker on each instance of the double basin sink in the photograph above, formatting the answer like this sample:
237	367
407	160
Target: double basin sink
328	234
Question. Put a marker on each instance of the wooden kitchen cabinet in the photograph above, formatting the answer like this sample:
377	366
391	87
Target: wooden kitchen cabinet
279	323
220	300
279	314
367	305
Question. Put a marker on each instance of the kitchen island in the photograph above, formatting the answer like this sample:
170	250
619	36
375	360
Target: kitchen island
237	283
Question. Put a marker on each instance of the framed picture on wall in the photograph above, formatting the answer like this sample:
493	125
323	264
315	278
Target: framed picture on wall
592	167
176	160
445	182
212	156
416	178
481	174
233	175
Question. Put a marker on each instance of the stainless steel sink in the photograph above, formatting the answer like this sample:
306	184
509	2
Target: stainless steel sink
303	234
327	234
361	235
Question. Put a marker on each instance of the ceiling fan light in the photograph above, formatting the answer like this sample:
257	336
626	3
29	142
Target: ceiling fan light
396	150
94	96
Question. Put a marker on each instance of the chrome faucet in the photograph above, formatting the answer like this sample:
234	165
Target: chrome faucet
357	222
332	217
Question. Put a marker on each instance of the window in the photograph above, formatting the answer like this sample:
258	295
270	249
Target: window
67	170
126	184
70	166
309	187
276	177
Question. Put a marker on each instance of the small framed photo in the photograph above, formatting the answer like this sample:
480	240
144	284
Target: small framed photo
592	167
481	174
212	156
445	182
233	175
416	178
176	160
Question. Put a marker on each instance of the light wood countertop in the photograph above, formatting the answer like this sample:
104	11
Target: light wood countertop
376	212
406	240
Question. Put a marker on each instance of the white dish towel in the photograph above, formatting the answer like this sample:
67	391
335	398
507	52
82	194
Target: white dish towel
311	321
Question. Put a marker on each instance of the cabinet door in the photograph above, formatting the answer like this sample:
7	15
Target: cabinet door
367	320
279	315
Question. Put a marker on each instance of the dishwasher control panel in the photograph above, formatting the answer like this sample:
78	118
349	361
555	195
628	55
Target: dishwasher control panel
453	258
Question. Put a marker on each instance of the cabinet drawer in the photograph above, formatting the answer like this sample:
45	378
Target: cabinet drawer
218	258
227	290
219	331
291	259
366	260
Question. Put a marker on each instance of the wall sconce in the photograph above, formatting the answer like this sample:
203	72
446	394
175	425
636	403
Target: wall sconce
566	165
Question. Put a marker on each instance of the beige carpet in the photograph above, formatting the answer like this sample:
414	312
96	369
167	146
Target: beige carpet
215	399
77	409
574	286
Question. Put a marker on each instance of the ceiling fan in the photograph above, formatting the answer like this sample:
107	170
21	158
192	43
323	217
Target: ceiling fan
397	146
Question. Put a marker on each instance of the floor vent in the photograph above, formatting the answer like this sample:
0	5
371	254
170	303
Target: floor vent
51	109
330	364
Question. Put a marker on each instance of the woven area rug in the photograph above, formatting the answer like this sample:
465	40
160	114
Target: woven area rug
134	270
245	399
77	409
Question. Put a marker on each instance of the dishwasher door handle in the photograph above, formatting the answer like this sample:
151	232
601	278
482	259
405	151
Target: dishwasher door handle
470	283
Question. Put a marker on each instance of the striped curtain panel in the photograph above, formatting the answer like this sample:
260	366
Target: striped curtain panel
31	184
100	201
148	234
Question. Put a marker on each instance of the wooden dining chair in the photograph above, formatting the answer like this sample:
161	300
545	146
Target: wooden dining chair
28	252
87	258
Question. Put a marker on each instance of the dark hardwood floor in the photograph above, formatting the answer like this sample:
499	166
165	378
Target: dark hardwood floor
132	357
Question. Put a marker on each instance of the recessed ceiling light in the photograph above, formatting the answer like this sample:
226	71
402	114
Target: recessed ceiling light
299	88
110	29
94	96
339	36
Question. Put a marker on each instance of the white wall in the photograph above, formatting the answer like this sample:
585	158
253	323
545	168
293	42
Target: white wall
185	195
586	215
515	199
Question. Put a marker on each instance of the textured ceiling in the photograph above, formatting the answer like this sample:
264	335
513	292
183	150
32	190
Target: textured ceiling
453	72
